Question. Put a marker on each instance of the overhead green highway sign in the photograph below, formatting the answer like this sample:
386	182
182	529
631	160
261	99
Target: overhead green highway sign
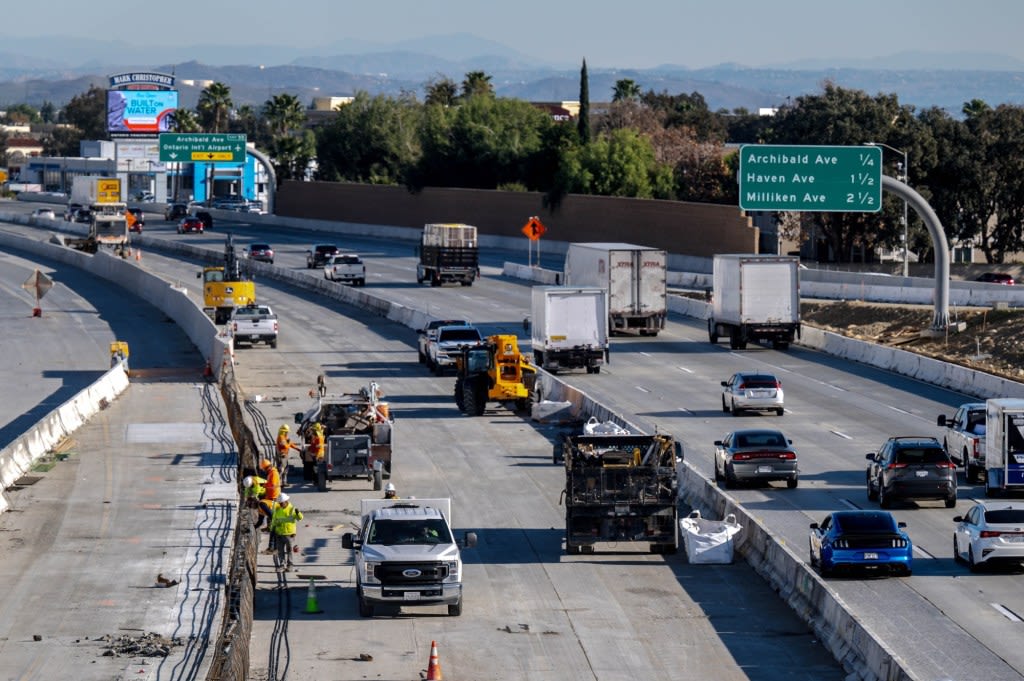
199	146
810	178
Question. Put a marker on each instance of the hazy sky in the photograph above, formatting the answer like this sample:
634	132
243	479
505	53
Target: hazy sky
608	33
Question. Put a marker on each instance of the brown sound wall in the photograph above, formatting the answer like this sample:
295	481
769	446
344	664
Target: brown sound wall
698	229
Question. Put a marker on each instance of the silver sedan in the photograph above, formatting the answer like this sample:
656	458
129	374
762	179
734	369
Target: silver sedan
752	391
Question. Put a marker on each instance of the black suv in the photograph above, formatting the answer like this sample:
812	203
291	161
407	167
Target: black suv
175	211
916	467
319	254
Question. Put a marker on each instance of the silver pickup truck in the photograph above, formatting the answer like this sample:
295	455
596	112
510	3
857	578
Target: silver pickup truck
964	438
254	324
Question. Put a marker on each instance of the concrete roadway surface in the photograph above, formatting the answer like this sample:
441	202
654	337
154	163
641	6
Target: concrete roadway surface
944	621
528	613
835	416
143	492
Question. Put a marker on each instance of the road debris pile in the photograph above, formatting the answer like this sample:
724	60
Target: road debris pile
144	645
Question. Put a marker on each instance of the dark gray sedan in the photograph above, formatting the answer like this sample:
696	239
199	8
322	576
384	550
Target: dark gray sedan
756	454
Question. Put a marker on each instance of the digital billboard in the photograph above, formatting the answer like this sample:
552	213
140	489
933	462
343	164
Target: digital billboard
140	112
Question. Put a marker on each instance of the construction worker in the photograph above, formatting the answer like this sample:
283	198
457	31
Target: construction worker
314	453
255	486
390	492
284	444
271	491
283	526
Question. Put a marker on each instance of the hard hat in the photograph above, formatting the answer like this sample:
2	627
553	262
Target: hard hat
318	426
390	487
247	481
284	428
265	464
283	498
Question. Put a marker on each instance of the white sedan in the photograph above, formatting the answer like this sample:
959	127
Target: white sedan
990	532
46	213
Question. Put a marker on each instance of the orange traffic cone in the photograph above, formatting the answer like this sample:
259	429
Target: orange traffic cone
138	254
434	667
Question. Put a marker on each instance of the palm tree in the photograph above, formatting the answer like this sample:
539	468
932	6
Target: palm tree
625	90
476	83
214	106
283	114
443	91
185	121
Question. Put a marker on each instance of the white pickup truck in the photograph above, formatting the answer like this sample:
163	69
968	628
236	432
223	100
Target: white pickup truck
964	438
345	267
406	554
254	324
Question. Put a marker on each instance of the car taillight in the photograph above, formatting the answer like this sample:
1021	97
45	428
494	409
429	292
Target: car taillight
946	464
787	455
234	326
275	327
742	386
899	543
989	534
841	544
740	457
896	465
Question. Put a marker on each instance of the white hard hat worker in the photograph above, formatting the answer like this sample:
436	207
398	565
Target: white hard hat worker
390	492
247	481
283	499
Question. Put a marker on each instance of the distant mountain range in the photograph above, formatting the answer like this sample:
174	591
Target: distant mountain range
55	69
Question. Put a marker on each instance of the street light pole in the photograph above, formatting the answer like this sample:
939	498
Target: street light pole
905	179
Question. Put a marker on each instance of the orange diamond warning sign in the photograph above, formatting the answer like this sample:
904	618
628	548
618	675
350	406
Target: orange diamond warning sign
534	229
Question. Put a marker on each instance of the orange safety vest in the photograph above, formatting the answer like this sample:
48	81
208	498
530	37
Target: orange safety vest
316	446
273	486
283	444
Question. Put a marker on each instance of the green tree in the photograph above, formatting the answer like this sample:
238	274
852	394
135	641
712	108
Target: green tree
88	113
283	113
477	83
63	141
619	163
625	90
371	139
214	107
485	142
442	91
185	120
583	121
292	154
248	121
48	112
21	114
690	111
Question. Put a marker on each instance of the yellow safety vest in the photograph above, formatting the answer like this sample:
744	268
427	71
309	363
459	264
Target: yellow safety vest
284	520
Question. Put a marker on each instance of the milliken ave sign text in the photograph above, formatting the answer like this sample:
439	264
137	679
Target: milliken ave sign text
810	178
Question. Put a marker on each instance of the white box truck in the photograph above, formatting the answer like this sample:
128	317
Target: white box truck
634	278
755	298
569	328
1004	446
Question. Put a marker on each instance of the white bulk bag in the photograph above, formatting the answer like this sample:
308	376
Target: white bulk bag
707	541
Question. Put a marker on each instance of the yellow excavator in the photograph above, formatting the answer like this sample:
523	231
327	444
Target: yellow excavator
226	286
493	372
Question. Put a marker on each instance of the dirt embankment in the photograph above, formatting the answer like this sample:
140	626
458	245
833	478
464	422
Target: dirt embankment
993	340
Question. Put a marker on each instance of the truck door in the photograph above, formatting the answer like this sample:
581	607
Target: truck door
1013	429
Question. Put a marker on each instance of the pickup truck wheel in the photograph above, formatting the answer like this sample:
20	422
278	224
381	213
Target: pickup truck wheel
572	549
951	501
792	483
421	357
273	343
365	609
455	609
360	282
321	478
780	345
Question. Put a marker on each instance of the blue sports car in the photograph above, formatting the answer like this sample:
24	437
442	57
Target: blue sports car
867	541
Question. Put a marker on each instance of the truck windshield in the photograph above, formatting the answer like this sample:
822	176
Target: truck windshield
419	531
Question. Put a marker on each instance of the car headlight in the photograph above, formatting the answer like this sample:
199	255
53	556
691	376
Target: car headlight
371	573
454	570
